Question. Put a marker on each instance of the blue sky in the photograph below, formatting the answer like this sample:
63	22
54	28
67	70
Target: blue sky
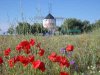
10	11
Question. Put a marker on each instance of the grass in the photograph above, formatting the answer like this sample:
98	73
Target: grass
86	53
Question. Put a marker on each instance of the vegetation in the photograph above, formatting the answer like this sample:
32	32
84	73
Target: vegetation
69	26
72	24
86	53
11	30
85	56
25	28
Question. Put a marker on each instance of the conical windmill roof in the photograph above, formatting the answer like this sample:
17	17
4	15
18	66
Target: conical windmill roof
49	16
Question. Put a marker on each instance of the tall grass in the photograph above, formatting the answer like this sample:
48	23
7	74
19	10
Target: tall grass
86	53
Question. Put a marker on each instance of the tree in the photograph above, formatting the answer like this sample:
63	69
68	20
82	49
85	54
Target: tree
26	28
87	26
38	28
58	29
72	25
95	26
23	28
97	23
11	30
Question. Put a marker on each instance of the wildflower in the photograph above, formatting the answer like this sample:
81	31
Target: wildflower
41	52
57	59
69	48
18	47
53	56
69	54
11	62
1	60
7	52
39	65
62	50
64	73
64	62
32	42
25	45
24	60
60	59
31	58
27	51
72	62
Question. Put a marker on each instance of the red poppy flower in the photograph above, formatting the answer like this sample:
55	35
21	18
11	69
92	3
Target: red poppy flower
11	62
64	62
24	60
32	42
64	73
41	52
18	47
58	58
7	52
39	65
69	48
27	51
53	56
1	60
25	45
16	59
31	58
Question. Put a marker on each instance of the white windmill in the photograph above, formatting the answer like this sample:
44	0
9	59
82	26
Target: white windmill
49	22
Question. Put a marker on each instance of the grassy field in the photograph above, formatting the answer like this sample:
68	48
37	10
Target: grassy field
86	53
